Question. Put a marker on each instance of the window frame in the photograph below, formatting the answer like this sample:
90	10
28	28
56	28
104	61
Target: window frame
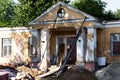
117	40
8	46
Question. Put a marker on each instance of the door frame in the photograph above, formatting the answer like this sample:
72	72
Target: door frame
64	41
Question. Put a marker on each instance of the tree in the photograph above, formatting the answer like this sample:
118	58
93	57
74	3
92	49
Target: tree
117	13
109	15
20	14
95	8
6	12
28	10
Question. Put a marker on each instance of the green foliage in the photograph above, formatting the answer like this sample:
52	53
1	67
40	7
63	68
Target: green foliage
6	12
95	8
28	10
92	7
109	15
117	13
22	13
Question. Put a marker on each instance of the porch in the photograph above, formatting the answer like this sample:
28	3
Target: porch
58	31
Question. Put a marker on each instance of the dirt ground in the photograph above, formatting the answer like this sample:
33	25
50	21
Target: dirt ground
74	73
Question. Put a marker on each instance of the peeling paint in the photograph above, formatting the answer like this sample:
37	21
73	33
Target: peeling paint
45	57
91	44
90	36
81	50
19	46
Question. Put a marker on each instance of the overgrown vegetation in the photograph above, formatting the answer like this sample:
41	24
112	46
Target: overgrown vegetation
95	8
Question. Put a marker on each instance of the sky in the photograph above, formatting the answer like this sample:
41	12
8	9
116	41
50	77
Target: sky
15	1
112	4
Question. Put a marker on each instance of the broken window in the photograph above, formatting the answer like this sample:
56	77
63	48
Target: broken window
115	44
6	47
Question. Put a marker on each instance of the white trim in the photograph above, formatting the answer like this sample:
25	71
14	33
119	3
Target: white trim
60	21
16	28
112	24
98	25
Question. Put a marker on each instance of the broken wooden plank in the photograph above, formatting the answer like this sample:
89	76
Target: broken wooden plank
52	71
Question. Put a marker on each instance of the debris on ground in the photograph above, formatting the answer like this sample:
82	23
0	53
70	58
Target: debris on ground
7	72
73	73
111	72
25	72
52	70
20	72
32	71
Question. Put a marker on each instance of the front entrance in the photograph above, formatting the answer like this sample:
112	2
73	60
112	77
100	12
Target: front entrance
64	45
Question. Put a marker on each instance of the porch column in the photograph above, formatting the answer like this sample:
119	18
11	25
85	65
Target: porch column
91	48
44	49
81	47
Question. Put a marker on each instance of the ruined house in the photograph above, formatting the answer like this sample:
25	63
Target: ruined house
50	33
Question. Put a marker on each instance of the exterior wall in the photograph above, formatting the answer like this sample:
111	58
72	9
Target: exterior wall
103	43
19	37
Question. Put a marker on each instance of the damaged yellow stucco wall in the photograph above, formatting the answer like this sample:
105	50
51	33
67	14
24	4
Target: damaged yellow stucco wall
21	42
103	43
19	45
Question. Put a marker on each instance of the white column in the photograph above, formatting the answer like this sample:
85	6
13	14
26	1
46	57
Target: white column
80	47
44	49
91	44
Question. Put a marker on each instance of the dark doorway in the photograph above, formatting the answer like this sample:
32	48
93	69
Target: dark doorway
72	58
64	45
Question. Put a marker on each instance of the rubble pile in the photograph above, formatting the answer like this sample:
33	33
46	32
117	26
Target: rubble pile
21	72
73	73
24	72
32	71
111	72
